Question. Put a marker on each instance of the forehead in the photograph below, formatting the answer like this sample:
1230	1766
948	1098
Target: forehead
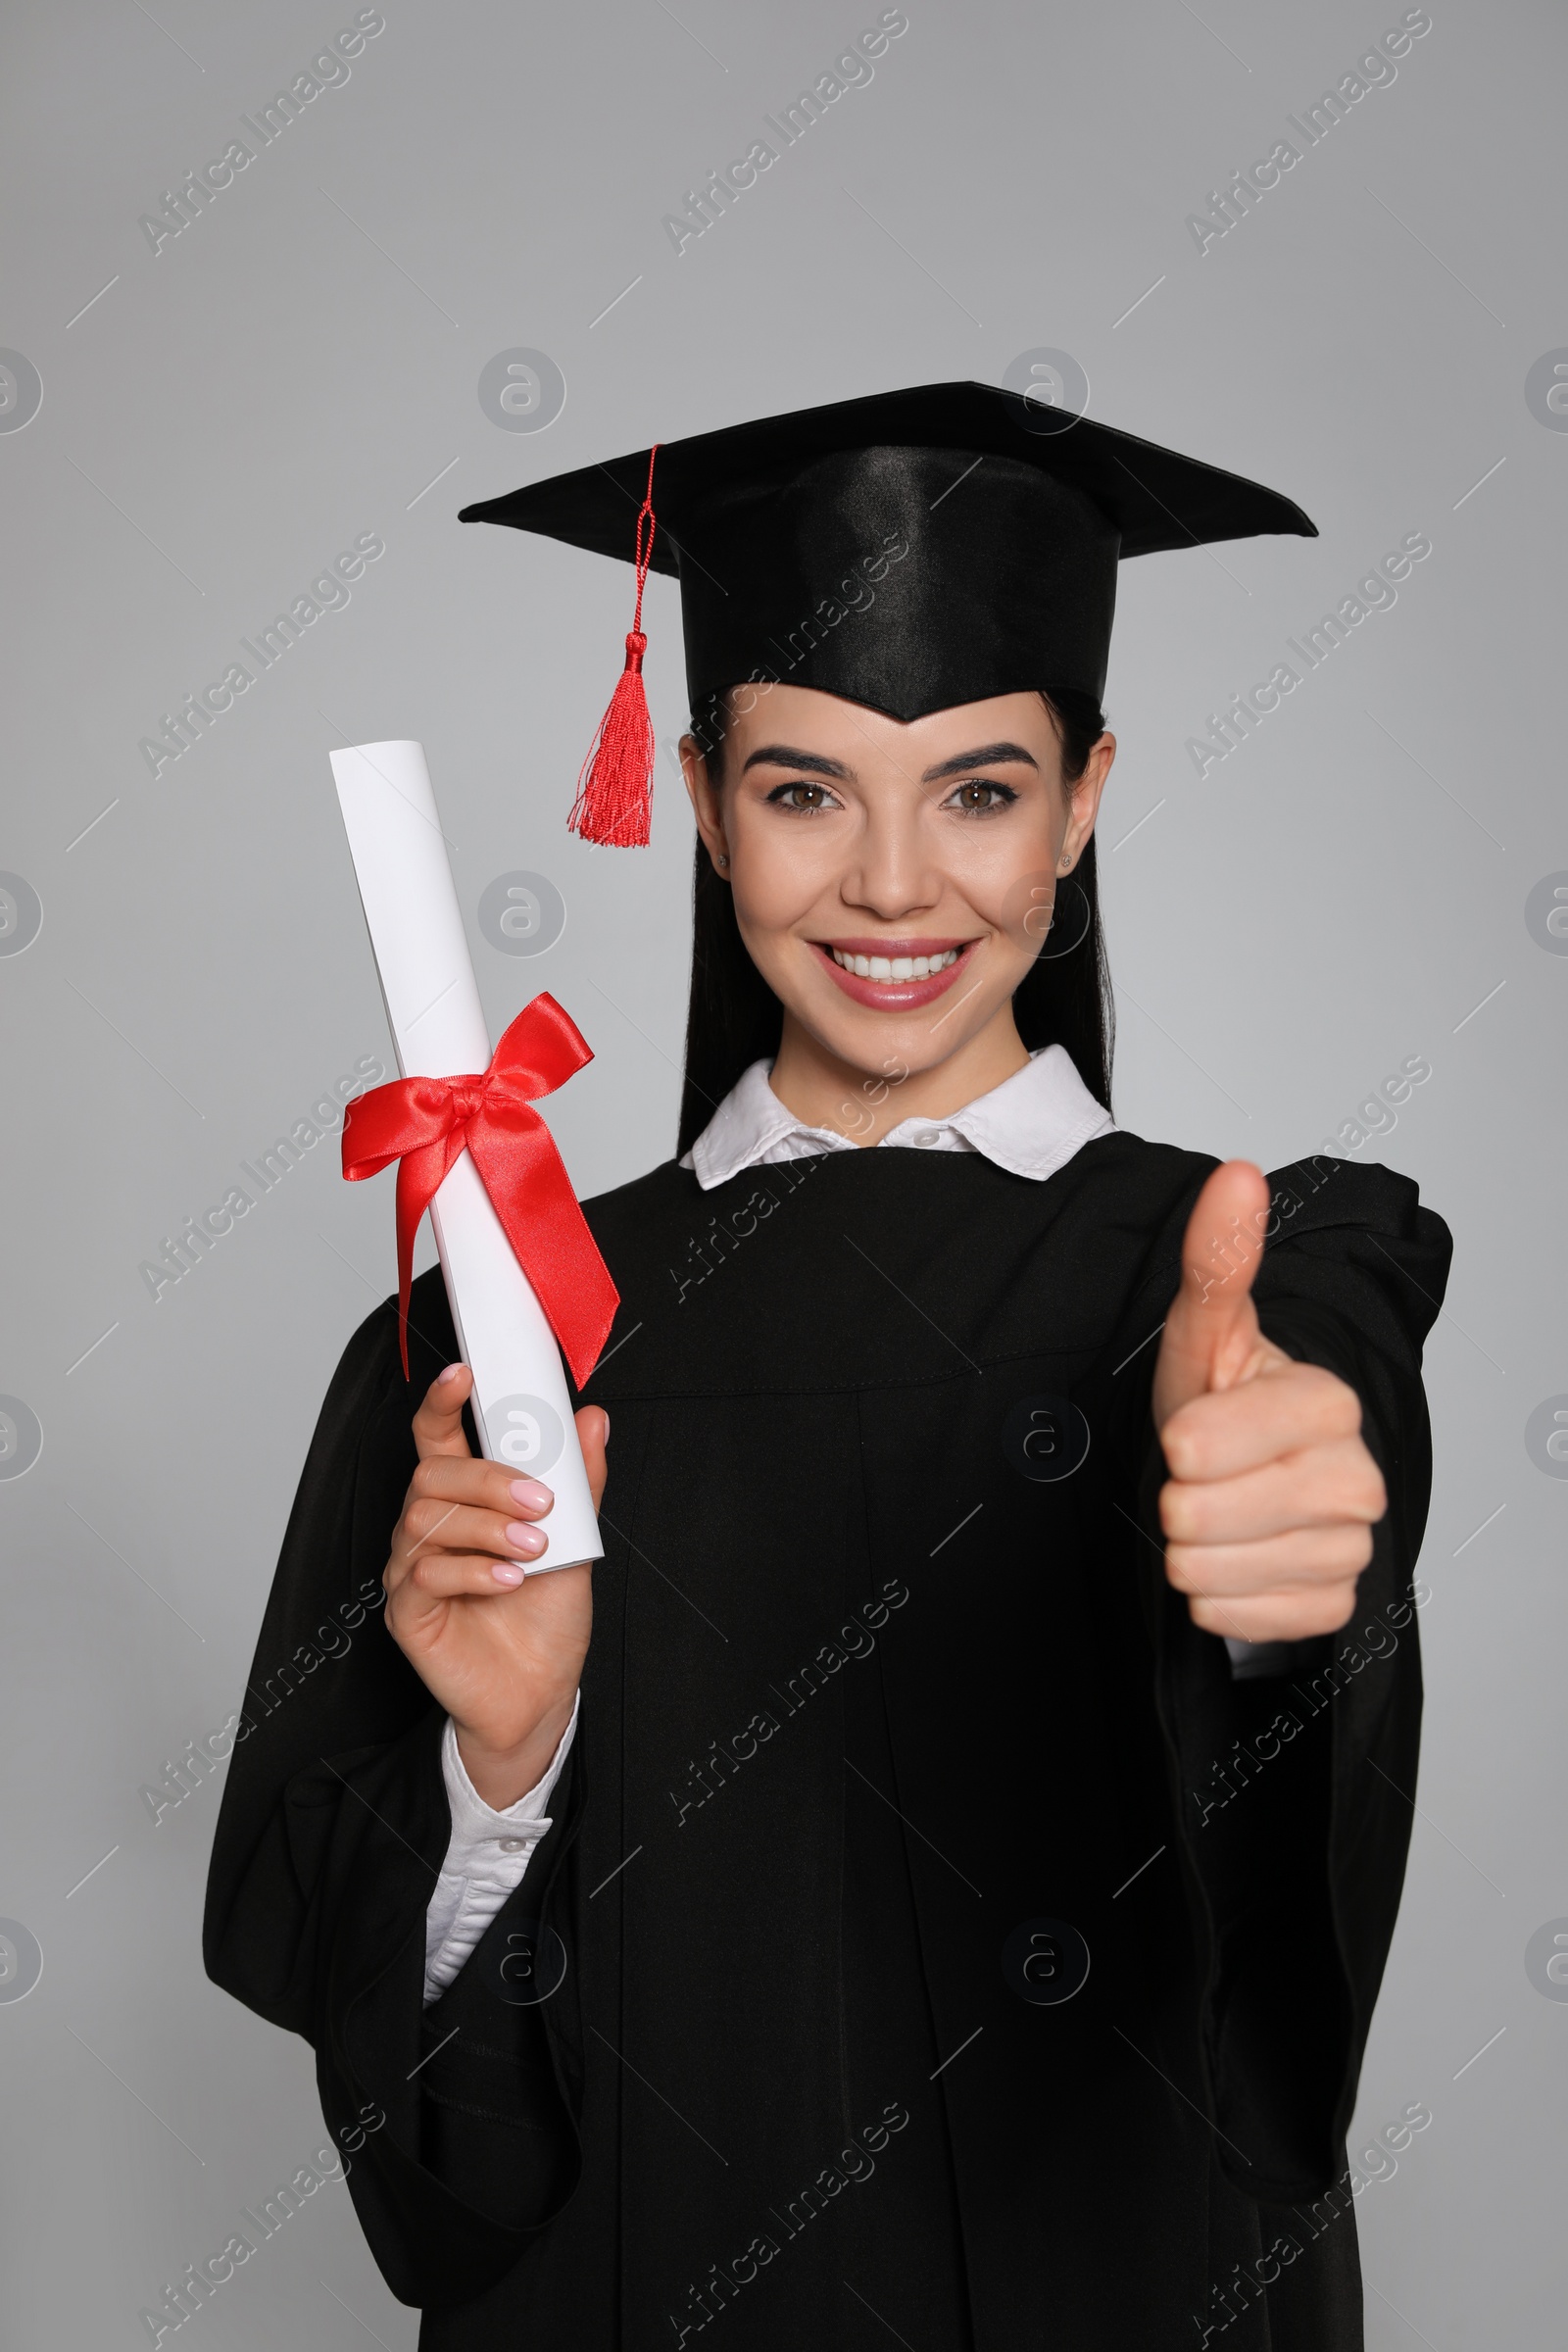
803	719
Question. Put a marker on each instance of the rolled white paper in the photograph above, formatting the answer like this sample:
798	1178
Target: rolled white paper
521	1405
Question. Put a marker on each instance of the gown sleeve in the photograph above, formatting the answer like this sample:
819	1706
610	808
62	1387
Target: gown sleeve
458	2139
1294	1796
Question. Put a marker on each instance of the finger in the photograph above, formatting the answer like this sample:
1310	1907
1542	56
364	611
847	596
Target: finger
442	1576
1305	1556
1284	1617
1211	1330
1315	1489
432	1526
593	1436
1284	1412
450	1502
482	1485
438	1423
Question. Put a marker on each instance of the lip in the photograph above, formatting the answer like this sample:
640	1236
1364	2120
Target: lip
883	946
894	995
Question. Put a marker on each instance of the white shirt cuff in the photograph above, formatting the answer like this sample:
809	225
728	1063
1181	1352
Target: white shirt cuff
1259	1662
486	1858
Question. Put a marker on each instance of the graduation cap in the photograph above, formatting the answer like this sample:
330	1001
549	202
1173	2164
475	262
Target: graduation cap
910	551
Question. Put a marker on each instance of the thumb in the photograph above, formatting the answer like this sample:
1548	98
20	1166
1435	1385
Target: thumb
1213	1331
593	1436
438	1423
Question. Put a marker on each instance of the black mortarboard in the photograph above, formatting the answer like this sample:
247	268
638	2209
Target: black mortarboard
910	551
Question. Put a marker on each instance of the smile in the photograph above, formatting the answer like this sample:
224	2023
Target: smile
893	968
910	973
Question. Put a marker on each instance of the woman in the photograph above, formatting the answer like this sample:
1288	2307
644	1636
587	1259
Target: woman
933	1875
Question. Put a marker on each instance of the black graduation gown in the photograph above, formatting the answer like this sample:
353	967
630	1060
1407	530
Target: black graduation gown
886	1737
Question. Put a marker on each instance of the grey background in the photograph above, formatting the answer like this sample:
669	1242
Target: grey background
1339	894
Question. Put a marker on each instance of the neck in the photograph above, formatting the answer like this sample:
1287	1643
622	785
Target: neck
824	1090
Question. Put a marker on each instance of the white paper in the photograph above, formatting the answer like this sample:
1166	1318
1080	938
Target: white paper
521	1408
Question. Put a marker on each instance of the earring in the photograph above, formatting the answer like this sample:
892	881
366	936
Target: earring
722	859
1066	863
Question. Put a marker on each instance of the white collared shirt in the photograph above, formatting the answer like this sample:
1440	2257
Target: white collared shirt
486	1858
1031	1125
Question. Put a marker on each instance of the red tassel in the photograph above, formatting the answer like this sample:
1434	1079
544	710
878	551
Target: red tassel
615	784
614	794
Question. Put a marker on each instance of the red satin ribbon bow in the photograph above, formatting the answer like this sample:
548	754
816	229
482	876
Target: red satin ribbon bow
424	1123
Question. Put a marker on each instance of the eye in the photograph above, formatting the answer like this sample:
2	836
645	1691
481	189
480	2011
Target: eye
978	797
801	800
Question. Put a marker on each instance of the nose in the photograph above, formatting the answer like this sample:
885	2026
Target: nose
892	875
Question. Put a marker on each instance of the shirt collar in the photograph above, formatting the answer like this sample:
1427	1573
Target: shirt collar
1034	1121
1031	1125
745	1127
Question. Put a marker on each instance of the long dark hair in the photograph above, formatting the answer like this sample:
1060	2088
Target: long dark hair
734	1018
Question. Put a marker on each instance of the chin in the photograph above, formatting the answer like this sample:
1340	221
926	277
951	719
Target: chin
882	1042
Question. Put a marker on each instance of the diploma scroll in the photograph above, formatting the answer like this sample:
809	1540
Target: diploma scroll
520	1405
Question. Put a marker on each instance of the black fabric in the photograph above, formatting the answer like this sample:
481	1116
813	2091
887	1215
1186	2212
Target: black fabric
495	2122
910	551
863	1701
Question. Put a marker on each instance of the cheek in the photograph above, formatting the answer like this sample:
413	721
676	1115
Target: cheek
1010	875
1026	908
780	872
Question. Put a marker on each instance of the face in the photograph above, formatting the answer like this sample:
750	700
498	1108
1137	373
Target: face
893	882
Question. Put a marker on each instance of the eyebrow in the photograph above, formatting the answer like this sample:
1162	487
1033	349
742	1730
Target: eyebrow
782	754
989	755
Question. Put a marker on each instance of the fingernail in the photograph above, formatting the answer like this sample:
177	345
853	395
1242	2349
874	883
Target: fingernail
607	1425
506	1572
451	1372
531	1495
523	1538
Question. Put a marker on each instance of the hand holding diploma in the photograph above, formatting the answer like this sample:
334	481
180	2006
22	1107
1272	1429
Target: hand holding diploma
500	1650
1272	1496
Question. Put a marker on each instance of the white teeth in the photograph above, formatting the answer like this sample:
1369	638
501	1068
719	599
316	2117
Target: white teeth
895	968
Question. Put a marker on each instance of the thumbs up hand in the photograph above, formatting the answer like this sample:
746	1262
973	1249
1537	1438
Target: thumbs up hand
1272	1495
